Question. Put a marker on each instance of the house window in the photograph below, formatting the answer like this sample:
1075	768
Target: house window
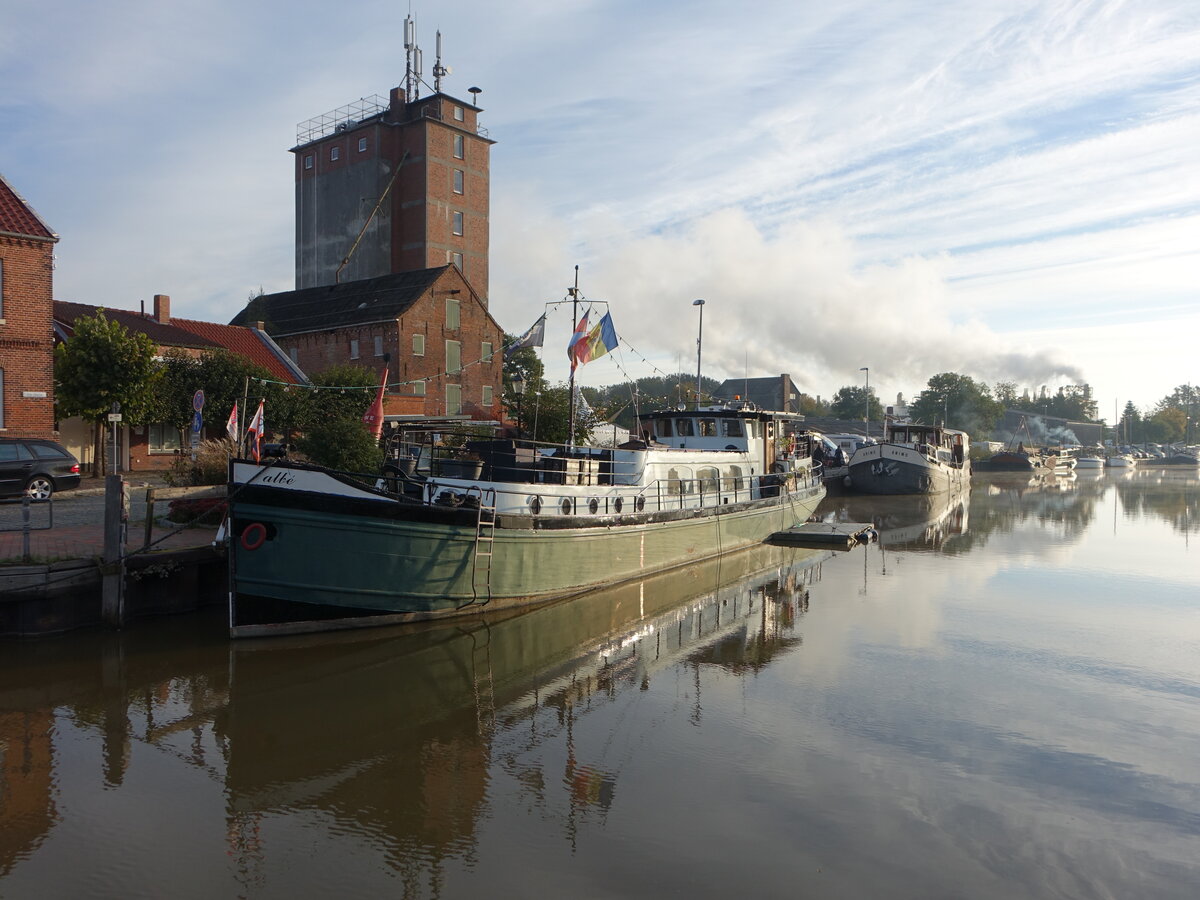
454	399
458	222
362	145
294	354
459	115
335	153
379	345
354	349
453	356
418	345
452	316
485	351
419	389
487	395
456	258
308	161
458	147
164	439
458	181
1	398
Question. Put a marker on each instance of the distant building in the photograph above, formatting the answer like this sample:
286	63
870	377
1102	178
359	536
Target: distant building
1047	430
777	392
433	333
26	332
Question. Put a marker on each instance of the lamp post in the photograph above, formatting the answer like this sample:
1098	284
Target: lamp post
867	401
518	386
699	347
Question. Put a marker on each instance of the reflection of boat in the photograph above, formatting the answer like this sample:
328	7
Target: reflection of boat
313	549
916	521
393	733
1120	461
912	459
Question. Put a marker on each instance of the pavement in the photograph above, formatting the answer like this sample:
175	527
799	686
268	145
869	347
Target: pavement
71	525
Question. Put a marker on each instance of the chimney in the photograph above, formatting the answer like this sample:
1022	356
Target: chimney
162	309
261	326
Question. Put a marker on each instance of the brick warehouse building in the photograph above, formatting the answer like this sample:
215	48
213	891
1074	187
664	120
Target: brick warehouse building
26	319
441	346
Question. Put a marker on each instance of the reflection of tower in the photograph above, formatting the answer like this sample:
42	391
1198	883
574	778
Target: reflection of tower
395	185
26	782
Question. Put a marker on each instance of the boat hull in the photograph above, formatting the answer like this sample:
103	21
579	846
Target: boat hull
302	561
898	469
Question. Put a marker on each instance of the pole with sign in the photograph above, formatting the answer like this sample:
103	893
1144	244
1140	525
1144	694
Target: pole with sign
114	419
197	420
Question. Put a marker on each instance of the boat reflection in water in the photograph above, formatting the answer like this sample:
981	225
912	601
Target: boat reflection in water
393	734
915	522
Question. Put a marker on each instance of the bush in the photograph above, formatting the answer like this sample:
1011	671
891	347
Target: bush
206	511
343	444
210	467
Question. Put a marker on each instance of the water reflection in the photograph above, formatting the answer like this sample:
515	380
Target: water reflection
920	522
387	735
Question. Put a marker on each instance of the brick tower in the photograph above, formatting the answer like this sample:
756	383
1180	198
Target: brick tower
393	186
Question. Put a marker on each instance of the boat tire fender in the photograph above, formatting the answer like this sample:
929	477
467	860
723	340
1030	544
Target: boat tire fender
253	535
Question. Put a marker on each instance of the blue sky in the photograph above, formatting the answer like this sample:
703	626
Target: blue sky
1004	189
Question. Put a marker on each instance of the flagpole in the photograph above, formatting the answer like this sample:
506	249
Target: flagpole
574	292
241	447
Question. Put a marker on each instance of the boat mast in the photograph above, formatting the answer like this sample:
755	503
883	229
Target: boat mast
574	293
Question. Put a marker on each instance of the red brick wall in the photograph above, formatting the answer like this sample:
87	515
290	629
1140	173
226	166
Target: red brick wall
27	337
318	351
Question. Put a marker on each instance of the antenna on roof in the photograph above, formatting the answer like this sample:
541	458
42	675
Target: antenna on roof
412	60
439	71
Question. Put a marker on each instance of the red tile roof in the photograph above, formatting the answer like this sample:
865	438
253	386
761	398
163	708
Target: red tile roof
244	342
18	218
65	314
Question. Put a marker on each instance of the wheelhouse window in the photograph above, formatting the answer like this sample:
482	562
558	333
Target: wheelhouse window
708	428
684	428
164	439
663	427
731	427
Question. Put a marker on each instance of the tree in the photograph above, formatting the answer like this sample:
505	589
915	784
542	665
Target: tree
101	365
850	402
1005	393
525	365
548	420
958	401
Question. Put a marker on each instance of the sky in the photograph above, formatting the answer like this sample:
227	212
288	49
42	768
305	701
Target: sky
1006	190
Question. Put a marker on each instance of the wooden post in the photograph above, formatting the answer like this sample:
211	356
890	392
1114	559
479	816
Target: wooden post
149	517
112	601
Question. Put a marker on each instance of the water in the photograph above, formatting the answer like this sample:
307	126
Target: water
1000	699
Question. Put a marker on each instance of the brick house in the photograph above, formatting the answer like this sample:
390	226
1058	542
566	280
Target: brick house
26	332
441	346
152	447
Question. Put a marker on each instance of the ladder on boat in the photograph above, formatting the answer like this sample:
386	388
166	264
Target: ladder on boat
481	677
485	541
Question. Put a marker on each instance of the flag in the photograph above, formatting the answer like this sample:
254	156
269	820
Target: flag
373	417
577	338
600	340
256	427
531	338
231	427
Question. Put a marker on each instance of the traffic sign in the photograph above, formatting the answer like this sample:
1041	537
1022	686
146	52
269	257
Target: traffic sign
198	401
197	423
114	417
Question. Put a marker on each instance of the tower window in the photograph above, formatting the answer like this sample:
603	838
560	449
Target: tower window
335	152
379	345
354	349
452	313
458	181
457	259
458	222
308	161
418	345
453	356
459	115
362	145
458	147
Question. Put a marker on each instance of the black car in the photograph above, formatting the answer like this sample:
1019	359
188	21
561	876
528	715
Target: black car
36	467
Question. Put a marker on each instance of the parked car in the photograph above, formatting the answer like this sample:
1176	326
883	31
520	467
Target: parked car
36	467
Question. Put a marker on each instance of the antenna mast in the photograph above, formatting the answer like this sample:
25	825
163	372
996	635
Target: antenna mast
439	71
574	293
412	60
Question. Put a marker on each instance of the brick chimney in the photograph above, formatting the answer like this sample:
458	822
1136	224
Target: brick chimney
162	309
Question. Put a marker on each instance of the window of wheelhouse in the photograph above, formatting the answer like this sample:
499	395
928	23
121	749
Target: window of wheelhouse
708	428
684	428
731	428
662	427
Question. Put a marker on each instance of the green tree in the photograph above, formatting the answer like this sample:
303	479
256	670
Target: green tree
103	364
959	402
850	402
1005	393
522	364
549	418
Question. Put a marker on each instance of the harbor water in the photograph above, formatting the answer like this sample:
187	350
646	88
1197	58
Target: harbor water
999	698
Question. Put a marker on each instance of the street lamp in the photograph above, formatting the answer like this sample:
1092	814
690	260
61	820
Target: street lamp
867	401
518	386
699	347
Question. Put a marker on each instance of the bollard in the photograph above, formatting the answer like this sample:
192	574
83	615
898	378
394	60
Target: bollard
25	514
112	600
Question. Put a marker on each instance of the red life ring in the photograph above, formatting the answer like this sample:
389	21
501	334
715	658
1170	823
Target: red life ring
254	543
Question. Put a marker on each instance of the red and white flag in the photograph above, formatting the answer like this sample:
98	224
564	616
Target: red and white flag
373	417
231	427
256	427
